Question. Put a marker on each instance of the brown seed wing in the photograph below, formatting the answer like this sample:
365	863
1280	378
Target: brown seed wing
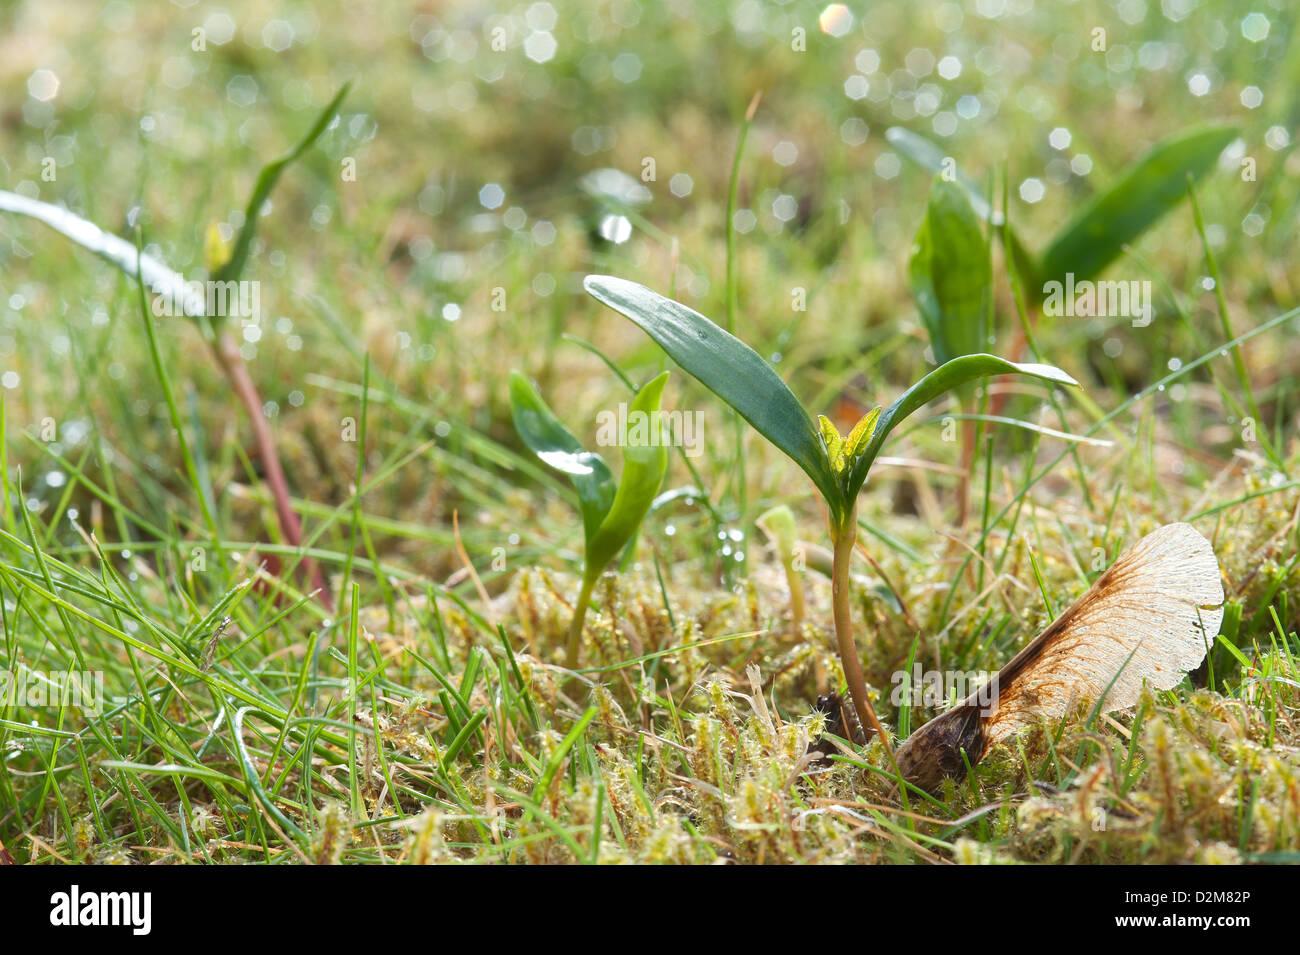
1148	618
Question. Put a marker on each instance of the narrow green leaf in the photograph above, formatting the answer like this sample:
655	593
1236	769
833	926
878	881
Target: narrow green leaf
1028	268
266	180
1150	188
943	379
950	273
557	758
157	275
547	438
730	369
933	159
1232	649
1036	428
644	465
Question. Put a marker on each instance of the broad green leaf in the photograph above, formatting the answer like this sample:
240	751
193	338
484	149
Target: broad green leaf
644	465
547	438
1150	188
730	369
930	157
266	180
943	379
950	273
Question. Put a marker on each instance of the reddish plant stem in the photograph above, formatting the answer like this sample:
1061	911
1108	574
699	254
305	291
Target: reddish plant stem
232	363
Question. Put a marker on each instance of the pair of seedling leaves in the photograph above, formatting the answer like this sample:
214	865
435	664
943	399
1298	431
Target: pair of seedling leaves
611	513
837	465
950	273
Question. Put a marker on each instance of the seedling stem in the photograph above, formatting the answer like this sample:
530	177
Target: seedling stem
844	537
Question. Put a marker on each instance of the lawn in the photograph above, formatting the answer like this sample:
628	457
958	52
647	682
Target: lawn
285	578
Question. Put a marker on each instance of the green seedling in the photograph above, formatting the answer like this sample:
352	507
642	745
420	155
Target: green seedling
951	271
837	465
611	513
225	266
951	274
778	524
1098	234
952	281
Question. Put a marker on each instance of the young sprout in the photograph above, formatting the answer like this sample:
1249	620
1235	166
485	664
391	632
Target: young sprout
1148	619
952	282
1116	216
950	273
836	465
778	525
611	514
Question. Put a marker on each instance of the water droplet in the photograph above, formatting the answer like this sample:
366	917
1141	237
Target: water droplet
616	229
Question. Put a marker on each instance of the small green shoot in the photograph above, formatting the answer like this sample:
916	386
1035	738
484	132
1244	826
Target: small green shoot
950	273
1097	235
836	465
611	514
778	524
